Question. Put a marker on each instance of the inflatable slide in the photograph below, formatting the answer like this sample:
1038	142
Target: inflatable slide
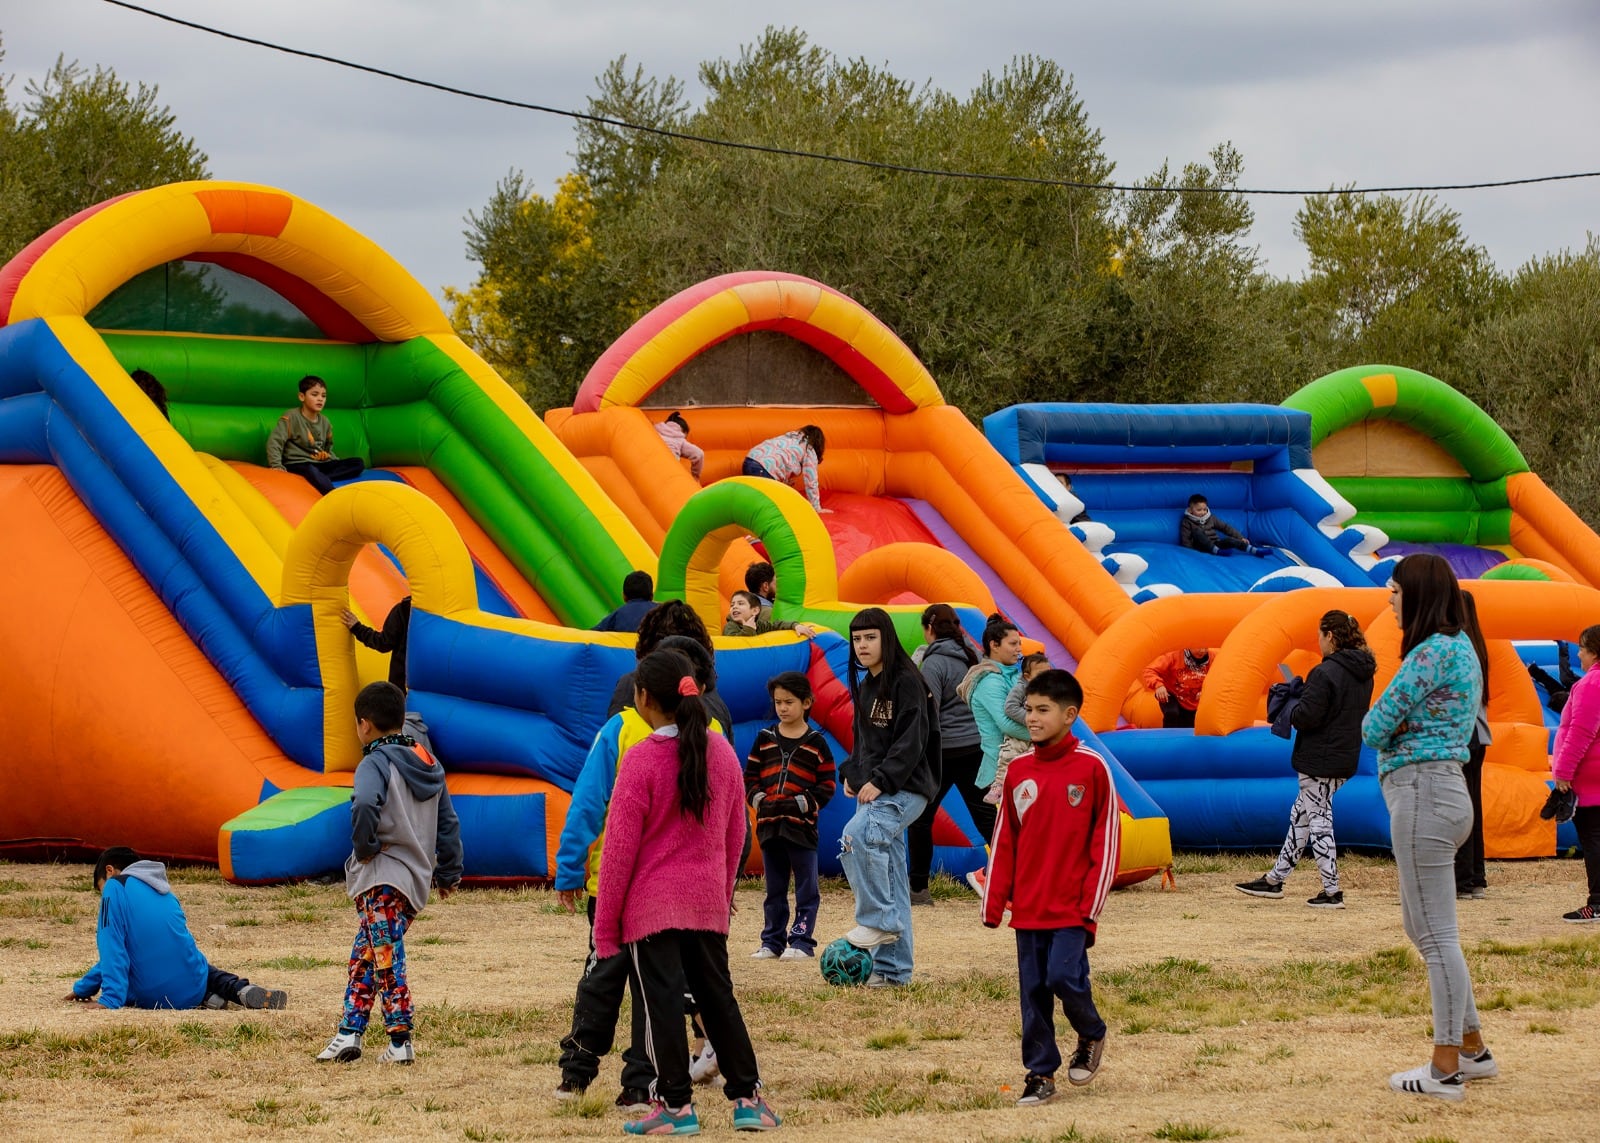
1134	467
176	674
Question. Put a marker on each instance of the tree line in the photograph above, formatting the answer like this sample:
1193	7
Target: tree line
1008	292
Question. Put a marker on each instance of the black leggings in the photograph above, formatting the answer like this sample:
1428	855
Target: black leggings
322	473
961	766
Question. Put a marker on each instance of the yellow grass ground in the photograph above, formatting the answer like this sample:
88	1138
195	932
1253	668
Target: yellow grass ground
1231	1018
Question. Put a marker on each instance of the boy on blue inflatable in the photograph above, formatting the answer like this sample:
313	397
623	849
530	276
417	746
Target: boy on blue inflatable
1200	530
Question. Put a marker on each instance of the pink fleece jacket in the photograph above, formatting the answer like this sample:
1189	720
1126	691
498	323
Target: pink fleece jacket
1577	755
663	869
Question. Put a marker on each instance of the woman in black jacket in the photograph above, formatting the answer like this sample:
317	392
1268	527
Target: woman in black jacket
1328	717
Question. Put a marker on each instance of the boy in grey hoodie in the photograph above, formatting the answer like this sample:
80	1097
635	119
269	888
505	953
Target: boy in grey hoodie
405	836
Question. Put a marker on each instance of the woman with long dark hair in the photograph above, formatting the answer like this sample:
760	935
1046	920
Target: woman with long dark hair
1421	729
1327	748
673	839
891	773
946	660
1575	765
1472	883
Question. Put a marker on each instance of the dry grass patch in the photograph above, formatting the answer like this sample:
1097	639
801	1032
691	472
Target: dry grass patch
1219	989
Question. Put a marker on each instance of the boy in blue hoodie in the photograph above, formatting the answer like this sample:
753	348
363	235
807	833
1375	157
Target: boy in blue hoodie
148	959
405	836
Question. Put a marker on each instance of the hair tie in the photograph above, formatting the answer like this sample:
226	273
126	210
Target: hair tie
687	687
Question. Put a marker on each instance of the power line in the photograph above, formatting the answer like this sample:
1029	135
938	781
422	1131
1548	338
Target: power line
786	152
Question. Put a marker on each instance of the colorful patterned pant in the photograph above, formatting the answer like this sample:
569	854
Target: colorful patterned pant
1311	826
378	961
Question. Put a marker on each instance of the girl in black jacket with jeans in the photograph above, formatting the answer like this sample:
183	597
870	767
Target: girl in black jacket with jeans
1337	692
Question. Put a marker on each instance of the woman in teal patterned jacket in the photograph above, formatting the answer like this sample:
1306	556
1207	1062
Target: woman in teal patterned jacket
1421	728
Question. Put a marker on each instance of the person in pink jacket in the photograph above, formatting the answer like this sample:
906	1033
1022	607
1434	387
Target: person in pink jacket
674	838
1576	766
674	433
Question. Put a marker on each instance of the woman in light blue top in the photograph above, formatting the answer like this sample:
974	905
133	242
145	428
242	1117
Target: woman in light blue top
1421	729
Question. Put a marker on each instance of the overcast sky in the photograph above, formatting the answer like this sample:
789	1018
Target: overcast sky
1313	94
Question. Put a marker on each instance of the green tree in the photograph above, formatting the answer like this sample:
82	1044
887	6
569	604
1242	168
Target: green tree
78	138
542	309
1536	367
1393	280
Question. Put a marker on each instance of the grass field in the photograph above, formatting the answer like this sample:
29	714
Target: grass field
1231	1018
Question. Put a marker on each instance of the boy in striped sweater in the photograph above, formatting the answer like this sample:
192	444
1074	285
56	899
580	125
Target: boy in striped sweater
1053	859
788	777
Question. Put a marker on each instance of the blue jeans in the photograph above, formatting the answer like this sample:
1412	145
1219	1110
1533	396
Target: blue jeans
1053	964
754	468
780	859
1430	815
872	850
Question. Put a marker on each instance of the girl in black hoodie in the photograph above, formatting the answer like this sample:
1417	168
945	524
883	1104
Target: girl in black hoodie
1327	747
892	771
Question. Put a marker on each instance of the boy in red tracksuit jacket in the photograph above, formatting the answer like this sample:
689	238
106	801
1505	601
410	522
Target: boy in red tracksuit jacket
1053	859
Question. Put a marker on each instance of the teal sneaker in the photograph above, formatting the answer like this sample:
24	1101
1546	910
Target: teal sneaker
754	1115
662	1120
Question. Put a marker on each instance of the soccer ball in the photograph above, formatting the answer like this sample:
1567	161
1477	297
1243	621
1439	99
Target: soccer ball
844	963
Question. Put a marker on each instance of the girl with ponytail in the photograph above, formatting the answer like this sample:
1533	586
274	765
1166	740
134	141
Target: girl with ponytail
674	837
1327	747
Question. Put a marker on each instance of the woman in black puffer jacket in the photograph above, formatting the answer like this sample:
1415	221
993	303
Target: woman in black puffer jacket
1328	717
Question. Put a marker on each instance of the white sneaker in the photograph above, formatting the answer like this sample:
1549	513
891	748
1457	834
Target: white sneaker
794	954
1420	1081
703	1068
763	953
398	1054
867	937
342	1049
1483	1067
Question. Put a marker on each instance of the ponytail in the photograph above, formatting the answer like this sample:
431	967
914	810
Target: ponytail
1343	629
940	618
668	677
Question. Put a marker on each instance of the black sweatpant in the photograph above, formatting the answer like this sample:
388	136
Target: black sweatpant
225	984
322	473
961	767
1174	715
595	1009
1587	819
1469	858
661	965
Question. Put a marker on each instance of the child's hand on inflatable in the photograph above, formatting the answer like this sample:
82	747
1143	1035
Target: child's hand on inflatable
806	630
1161	693
348	618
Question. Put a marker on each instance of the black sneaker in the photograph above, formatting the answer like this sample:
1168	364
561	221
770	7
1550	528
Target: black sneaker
1037	1090
1261	887
1326	900
1587	915
1085	1061
570	1089
633	1099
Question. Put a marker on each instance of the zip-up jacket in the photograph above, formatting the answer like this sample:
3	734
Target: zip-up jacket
985	690
403	827
1577	753
944	664
583	833
1208	533
1056	841
148	959
788	780
1327	719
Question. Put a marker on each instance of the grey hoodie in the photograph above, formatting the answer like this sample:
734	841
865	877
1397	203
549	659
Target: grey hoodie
943	667
401	823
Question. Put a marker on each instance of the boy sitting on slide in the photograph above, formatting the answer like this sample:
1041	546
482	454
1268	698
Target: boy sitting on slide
1200	530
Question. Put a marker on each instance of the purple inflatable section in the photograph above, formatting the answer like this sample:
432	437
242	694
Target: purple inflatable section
1469	562
1020	613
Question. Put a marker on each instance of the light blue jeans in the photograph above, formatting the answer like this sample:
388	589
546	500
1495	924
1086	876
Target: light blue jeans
1430	815
872	849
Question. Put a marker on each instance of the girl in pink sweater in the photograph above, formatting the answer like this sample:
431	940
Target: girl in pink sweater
1576	766
674	838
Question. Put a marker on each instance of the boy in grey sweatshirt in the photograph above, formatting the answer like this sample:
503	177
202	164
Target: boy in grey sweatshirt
405	837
